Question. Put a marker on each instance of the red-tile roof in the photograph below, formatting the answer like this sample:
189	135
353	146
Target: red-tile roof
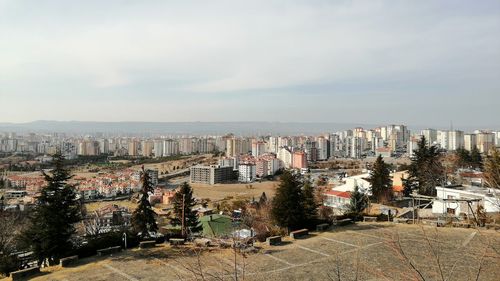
343	194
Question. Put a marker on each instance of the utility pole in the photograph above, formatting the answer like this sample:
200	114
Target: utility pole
182	226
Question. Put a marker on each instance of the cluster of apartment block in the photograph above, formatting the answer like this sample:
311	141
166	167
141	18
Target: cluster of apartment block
354	143
454	139
244	168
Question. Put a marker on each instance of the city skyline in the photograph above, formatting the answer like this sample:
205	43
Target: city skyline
420	63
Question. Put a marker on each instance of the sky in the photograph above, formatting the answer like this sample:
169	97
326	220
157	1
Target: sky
425	62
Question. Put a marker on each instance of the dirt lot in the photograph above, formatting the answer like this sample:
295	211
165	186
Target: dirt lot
237	191
182	163
98	205
366	251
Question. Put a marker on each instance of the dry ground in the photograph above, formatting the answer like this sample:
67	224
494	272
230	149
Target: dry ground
237	190
168	166
366	251
98	205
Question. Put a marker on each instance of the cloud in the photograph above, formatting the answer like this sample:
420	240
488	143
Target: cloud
194	51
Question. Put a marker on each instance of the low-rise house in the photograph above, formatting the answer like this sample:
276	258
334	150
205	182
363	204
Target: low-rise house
337	200
472	177
397	181
351	182
452	200
156	197
89	193
202	211
15	194
109	218
386	152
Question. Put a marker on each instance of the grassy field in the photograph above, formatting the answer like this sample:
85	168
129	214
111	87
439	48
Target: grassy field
365	251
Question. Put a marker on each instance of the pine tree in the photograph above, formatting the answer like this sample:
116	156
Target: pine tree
358	203
426	170
56	212
492	169
380	180
309	204
185	194
475	158
143	218
287	209
408	186
464	157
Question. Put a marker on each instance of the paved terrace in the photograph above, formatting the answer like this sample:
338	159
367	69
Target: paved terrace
366	251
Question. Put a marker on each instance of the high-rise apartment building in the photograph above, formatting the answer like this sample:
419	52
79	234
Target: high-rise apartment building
211	174
311	150
258	148
470	141
430	136
485	141
323	148
247	172
133	148
456	140
147	148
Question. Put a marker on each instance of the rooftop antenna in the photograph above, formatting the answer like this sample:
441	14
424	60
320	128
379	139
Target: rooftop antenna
451	125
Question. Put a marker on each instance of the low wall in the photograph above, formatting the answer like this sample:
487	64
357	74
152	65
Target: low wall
110	250
24	274
65	262
299	233
273	241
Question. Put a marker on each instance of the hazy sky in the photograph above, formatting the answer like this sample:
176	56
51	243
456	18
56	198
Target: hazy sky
418	62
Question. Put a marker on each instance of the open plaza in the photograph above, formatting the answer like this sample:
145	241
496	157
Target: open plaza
364	251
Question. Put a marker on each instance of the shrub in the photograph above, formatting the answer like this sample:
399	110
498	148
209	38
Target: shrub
106	240
8	264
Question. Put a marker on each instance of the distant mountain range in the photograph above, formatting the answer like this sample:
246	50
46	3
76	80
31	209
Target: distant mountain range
176	128
191	128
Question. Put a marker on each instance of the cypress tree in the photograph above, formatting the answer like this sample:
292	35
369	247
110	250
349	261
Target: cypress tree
54	216
143	218
287	208
381	182
190	216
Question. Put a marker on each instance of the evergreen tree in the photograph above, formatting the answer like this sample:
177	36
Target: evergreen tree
358	203
262	199
426	171
185	194
309	204
475	158
143	218
464	157
408	186
56	212
287	208
492	169
381	182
